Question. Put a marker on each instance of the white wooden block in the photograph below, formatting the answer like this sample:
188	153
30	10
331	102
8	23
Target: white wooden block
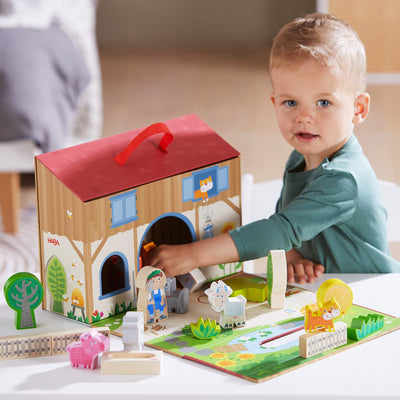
25	346
193	280
133	331
311	344
276	278
29	344
131	363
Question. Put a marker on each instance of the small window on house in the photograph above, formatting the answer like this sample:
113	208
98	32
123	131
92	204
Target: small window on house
123	208
114	276
212	180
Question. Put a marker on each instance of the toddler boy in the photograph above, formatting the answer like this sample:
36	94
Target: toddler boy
330	215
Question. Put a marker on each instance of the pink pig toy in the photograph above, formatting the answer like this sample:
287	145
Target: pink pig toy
85	353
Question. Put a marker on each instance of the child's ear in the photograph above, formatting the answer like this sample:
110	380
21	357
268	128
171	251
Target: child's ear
272	97
361	108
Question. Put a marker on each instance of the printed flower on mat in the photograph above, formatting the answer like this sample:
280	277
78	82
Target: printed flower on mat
246	356
226	363
218	355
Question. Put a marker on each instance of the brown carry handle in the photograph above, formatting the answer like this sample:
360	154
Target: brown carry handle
151	130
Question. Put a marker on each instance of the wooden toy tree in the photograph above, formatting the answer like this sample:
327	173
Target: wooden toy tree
23	293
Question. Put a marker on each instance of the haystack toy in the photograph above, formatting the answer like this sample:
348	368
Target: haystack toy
335	289
100	202
334	297
231	309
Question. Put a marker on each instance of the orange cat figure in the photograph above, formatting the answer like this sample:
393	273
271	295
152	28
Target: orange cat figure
205	186
322	318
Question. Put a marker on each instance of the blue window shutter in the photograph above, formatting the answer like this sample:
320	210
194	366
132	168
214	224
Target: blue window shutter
117	208
130	207
187	189
123	209
223	178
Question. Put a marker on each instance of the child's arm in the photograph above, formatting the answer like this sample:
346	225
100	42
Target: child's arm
300	269
180	259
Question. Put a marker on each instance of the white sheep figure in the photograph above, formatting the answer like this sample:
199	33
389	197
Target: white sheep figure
133	331
231	309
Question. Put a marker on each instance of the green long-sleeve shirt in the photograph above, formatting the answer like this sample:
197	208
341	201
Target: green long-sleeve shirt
332	215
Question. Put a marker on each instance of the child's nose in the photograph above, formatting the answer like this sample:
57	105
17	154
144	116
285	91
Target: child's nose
305	116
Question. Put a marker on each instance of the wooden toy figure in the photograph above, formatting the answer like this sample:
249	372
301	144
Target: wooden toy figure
23	293
334	298
231	309
152	301
313	343
322	318
133	331
177	299
85	353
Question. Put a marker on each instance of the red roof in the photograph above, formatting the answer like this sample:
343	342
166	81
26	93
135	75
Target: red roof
90	171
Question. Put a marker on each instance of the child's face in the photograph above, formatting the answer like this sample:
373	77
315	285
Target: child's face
316	110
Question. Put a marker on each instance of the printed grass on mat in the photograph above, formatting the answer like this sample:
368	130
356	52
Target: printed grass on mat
240	352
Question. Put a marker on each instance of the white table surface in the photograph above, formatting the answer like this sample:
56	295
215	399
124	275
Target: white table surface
370	370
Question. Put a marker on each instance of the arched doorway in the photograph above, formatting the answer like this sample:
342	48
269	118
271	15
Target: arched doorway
171	228
114	276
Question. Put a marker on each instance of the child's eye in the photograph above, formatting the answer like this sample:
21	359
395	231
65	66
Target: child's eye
323	103
291	103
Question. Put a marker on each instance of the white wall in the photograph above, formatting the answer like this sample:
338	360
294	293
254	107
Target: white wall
154	24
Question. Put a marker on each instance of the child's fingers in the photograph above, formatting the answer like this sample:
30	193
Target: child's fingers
300	272
309	270
303	271
319	270
290	273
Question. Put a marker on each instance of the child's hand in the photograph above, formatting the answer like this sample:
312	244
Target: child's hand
301	270
182	258
173	260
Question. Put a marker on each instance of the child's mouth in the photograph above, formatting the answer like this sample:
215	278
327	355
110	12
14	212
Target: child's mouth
306	137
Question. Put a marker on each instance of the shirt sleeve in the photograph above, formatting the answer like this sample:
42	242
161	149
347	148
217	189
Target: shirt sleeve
328	199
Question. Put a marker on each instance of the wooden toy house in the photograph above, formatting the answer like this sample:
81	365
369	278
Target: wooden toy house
94	215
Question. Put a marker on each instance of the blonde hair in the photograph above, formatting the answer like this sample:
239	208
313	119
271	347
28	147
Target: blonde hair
326	39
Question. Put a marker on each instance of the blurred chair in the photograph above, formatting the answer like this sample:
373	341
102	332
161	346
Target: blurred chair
73	87
16	157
